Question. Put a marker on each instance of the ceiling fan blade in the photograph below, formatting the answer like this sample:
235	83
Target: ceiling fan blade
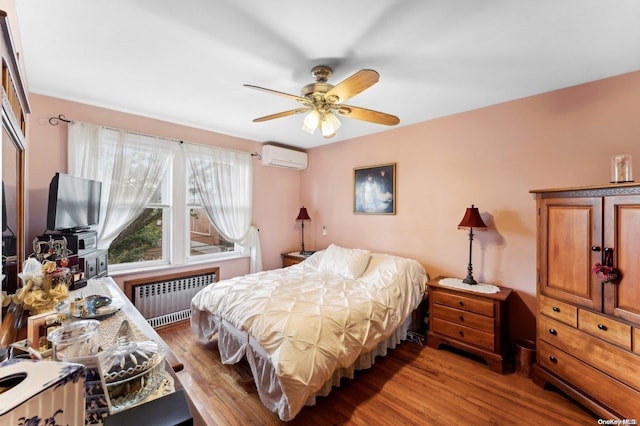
367	115
353	85
275	92
281	114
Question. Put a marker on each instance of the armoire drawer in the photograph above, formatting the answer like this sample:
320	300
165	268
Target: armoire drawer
469	304
610	359
605	328
621	398
459	316
561	311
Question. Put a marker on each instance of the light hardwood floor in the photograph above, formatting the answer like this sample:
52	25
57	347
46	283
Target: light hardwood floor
413	385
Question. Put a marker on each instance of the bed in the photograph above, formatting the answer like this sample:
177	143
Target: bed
304	327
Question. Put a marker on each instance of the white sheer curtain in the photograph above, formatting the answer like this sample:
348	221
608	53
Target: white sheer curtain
224	182
130	167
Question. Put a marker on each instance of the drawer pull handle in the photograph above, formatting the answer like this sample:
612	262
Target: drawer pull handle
553	359
556	309
602	327
461	318
461	333
553	332
460	302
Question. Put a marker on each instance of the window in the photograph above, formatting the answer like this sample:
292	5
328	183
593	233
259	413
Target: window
150	214
144	239
149	241
203	237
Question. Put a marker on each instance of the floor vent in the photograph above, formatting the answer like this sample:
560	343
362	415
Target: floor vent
166	299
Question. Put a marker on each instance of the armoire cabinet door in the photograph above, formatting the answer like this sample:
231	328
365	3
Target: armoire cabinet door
570	244
622	234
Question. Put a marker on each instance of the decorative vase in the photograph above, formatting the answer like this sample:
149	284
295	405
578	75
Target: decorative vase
621	168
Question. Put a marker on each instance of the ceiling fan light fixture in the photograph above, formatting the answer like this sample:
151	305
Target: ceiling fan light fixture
322	102
311	121
329	125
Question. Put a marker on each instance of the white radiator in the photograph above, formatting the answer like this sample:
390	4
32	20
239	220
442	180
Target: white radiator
167	299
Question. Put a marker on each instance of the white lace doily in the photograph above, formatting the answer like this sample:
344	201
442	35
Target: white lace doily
478	288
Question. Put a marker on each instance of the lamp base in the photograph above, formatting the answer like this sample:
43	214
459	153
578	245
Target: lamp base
470	281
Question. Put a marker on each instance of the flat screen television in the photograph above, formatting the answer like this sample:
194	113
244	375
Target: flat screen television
74	203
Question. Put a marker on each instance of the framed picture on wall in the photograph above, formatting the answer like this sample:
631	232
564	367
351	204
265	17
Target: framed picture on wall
374	189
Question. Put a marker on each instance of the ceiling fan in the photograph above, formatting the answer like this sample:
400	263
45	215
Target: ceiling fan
322	101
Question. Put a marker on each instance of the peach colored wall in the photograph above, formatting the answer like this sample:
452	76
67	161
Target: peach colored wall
490	157
276	191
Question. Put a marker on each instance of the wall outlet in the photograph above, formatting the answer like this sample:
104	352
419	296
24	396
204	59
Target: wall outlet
324	230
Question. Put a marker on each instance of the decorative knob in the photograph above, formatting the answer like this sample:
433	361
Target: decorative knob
602	327
553	359
595	248
461	318
461	333
556	309
553	332
460	302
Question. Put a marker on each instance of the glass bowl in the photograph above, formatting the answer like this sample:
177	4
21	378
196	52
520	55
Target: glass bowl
76	339
132	370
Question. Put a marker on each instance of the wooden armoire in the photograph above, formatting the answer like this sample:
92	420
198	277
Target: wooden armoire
588	331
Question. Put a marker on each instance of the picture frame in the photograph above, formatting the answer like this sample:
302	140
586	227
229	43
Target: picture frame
35	332
374	189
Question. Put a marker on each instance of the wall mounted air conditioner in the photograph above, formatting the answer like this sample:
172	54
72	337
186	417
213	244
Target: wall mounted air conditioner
283	157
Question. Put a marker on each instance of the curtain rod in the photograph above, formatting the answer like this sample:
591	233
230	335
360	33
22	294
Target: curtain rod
54	121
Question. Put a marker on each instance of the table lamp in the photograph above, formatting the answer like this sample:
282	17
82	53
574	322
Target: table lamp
471	220
302	216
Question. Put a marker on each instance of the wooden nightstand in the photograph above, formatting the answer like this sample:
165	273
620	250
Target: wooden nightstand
292	258
470	321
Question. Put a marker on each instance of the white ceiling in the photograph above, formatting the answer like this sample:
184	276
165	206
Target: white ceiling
186	61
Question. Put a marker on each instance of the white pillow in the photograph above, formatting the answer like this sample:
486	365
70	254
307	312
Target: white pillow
350	263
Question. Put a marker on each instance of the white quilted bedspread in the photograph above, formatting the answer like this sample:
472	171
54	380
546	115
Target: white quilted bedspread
310	322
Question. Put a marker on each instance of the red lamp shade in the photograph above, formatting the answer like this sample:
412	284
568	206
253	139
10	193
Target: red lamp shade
303	215
472	219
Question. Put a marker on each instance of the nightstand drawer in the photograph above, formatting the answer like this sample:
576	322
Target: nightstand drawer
294	258
605	328
288	261
469	304
459	316
561	311
470	321
464	334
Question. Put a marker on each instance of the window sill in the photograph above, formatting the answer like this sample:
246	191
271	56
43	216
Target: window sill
118	270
